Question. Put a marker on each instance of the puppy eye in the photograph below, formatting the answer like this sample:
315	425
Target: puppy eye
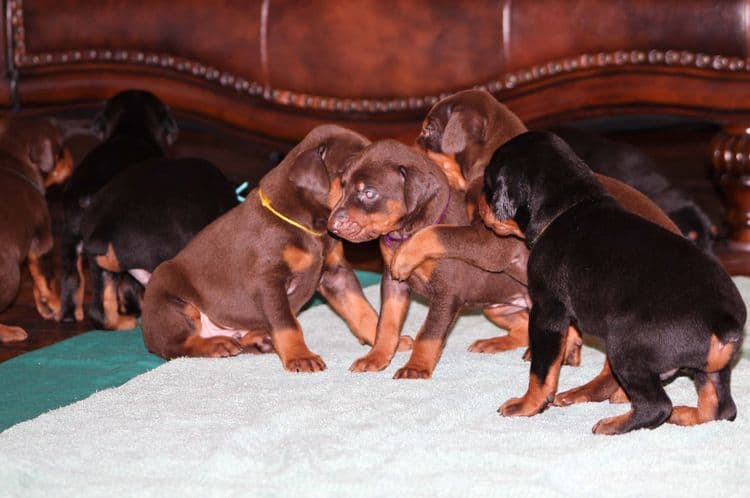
368	194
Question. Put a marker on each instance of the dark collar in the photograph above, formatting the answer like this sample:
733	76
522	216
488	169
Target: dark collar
391	240
23	177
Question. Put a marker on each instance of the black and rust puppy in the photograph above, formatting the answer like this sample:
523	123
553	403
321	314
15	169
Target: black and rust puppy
390	192
657	301
135	125
32	157
143	217
247	274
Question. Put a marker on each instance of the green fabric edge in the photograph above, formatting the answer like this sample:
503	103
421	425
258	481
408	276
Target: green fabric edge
73	369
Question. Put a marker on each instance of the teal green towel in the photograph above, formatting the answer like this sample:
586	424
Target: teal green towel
71	370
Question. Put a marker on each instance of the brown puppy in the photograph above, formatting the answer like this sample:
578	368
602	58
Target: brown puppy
32	157
391	191
241	281
462	132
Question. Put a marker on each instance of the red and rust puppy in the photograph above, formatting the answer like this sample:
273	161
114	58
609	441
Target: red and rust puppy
241	281
391	191
659	304
32	157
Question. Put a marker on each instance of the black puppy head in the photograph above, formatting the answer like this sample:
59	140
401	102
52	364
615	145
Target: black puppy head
137	111
315	165
385	187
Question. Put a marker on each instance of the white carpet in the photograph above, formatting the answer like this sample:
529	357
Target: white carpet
244	427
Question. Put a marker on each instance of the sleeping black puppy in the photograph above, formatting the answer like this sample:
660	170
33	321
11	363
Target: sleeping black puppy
630	165
143	217
135	125
657	301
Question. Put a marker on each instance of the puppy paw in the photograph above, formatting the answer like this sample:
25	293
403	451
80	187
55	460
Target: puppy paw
370	363
412	372
402	265
305	364
612	425
405	343
12	334
493	345
521	407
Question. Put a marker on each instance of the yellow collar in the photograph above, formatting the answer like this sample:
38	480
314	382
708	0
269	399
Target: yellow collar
266	203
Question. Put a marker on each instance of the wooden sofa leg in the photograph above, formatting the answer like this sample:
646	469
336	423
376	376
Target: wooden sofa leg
730	158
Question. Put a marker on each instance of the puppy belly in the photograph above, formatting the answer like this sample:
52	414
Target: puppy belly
210	329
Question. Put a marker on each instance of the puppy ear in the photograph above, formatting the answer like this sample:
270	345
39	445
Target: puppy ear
464	127
309	174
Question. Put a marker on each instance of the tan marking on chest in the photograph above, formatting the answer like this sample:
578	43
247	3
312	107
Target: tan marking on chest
297	259
109	260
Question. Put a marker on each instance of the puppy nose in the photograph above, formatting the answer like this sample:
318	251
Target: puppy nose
336	220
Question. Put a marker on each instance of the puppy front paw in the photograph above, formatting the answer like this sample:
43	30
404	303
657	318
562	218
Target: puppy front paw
412	372
522	407
405	343
305	364
370	363
12	334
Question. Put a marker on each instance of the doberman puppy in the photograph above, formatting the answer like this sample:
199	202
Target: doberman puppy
143	217
32	157
461	132
657	301
630	165
135	125
391	191
247	274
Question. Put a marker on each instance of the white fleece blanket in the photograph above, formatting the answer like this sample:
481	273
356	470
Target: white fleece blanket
244	427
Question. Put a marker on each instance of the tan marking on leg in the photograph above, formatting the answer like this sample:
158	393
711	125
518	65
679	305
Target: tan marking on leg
62	170
46	301
517	325
423	359
387	341
708	407
612	425
294	353
539	393
78	296
603	386
357	312
450	167
109	260
414	252
719	354
112	318
297	259
12	334
573	344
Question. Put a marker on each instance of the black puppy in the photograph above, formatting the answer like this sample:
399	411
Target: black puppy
135	125
657	301
143	217
632	166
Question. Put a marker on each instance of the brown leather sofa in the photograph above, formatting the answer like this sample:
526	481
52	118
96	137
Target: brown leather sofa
277	68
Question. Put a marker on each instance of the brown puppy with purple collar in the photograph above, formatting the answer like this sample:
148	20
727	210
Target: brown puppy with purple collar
390	191
462	132
239	284
32	157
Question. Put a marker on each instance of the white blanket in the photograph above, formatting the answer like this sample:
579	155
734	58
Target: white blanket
244	427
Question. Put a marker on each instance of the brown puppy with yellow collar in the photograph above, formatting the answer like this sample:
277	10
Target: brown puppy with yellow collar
32	157
240	282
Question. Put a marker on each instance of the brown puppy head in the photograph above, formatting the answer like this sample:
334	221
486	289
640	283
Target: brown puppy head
313	168
137	112
386	189
39	143
469	125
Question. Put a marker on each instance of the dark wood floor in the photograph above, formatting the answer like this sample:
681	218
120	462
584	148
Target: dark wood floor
680	150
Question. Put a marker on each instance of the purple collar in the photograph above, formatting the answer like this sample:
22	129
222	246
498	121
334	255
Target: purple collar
390	240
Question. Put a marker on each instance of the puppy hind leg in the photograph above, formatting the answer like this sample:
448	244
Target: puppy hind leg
517	325
650	405
714	400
